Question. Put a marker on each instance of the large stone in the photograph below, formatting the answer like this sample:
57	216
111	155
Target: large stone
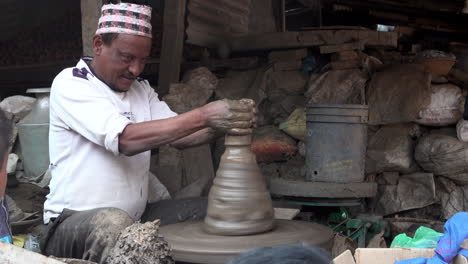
336	87
390	178
18	105
291	82
391	148
413	191
201	78
167	166
195	165
451	197
183	98
444	155
197	88
245	84
292	102
198	172
236	84
156	190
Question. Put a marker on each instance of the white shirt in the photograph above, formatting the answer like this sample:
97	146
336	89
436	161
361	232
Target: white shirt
86	119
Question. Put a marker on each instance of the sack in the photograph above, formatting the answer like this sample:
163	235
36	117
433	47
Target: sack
391	148
423	238
446	101
413	191
336	87
270	144
398	93
462	130
296	126
443	155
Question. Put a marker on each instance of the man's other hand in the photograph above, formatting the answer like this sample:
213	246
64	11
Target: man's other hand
236	117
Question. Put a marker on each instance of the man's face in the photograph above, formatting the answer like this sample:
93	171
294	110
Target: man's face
120	63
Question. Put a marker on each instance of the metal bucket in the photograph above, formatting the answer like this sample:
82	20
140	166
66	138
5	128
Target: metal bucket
336	142
33	131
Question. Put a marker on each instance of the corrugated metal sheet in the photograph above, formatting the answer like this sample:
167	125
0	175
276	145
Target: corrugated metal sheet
211	22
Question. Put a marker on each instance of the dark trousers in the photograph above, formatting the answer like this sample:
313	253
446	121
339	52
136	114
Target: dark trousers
91	235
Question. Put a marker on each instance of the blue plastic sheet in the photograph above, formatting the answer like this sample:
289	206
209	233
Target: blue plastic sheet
448	246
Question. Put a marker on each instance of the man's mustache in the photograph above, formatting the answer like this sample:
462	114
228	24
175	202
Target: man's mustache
129	76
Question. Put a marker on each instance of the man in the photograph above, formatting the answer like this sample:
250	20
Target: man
104	121
5	135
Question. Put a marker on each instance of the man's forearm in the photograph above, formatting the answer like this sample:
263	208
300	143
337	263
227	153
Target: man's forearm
219	115
196	139
140	137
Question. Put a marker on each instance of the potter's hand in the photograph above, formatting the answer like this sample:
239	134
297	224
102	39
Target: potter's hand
236	117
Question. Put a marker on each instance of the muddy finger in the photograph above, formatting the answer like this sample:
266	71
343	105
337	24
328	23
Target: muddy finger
239	131
241	124
240	116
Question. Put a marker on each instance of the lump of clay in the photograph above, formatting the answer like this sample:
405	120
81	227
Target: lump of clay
141	244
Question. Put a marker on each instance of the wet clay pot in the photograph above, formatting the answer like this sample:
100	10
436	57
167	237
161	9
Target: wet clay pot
239	202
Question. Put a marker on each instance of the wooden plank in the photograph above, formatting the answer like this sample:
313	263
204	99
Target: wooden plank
286	213
211	22
172	44
12	254
341	47
432	5
284	40
283	15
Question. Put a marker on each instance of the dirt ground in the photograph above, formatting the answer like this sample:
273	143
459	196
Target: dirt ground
30	198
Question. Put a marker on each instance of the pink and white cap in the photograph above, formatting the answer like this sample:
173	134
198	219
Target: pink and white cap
125	18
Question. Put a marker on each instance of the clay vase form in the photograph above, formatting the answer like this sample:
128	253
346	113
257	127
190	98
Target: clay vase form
239	202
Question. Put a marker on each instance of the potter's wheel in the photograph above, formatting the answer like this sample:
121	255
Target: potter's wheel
190	243
239	215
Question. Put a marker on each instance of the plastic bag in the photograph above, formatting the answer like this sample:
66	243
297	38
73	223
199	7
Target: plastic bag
423	238
295	126
270	144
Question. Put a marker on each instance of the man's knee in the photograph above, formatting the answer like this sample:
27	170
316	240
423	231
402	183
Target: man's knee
87	234
111	219
106	225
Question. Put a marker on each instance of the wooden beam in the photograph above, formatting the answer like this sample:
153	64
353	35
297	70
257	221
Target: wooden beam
283	15
285	40
245	63
341	47
172	44
431	5
90	13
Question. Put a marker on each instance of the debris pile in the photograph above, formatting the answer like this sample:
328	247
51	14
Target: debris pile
141	244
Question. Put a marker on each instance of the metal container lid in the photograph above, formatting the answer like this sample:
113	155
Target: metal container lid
38	90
